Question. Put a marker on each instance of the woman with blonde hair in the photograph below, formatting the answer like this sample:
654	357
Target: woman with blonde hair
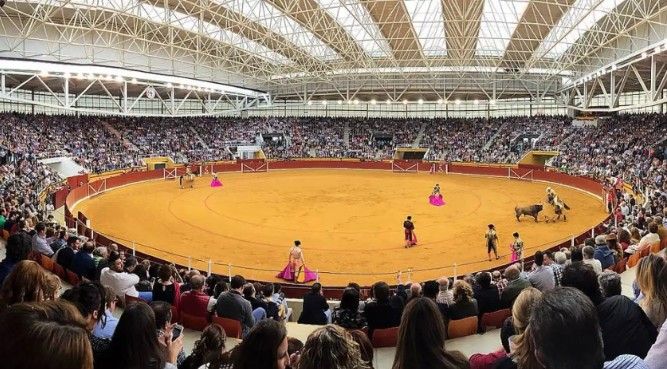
464	303
421	339
331	347
521	346
28	282
652	282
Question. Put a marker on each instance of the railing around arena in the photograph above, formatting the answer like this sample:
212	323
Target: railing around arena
226	269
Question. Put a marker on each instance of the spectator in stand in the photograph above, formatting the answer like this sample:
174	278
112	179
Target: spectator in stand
430	290
28	282
59	242
120	282
39	243
517	354
208	349
89	298
265	347
486	294
498	281
258	306
421	339
196	302
602	252
379	312
347	315
163	325
445	295
165	289
65	255
315	307
135	344
652	282
516	283
232	305
45	335
589	259
565	332
541	277
106	326
272	309
557	269
651	238
83	263
365	346
17	249
331	347
625	327
465	304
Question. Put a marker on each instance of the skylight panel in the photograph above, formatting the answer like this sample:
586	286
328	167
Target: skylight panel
192	24
499	20
429	25
272	18
356	20
580	18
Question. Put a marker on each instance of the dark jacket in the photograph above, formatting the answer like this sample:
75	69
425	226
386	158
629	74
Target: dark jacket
65	257
488	299
513	290
625	328
605	255
83	264
6	267
314	306
463	309
381	314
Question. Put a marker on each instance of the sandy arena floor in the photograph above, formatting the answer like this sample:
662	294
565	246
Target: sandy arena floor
349	221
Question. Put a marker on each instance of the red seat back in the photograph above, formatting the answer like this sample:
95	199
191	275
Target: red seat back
462	327
197	323
385	337
46	262
232	327
59	271
73	278
495	318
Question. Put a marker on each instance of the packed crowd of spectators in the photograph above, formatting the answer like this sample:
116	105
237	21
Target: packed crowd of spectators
567	309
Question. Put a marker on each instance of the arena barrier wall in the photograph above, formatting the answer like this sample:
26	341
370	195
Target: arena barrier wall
88	189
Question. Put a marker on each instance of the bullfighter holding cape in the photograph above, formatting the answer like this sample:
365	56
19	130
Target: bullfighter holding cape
409	230
296	270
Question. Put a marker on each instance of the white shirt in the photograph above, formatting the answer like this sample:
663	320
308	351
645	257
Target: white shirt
121	283
595	263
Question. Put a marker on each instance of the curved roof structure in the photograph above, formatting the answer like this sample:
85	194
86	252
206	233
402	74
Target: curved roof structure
343	49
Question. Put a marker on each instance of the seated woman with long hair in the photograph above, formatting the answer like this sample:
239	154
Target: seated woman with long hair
521	352
208	349
265	347
421	339
331	347
652	282
28	282
347	315
45	335
464	304
135	343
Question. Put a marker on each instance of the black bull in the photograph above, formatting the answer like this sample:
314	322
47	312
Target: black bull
531	210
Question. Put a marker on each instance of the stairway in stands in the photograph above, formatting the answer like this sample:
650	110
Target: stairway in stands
198	137
346	134
420	135
129	145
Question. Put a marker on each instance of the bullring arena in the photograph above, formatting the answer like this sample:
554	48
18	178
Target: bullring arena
348	219
333	184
